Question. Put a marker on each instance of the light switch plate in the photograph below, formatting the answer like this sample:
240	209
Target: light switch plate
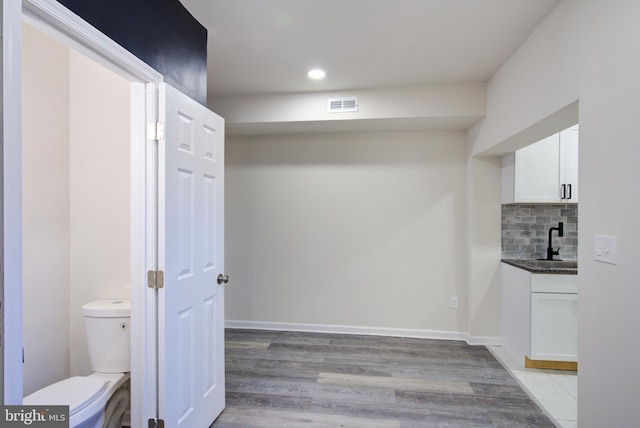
454	302
604	249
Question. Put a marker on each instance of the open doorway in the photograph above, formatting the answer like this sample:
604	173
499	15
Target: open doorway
162	203
76	126
76	202
91	51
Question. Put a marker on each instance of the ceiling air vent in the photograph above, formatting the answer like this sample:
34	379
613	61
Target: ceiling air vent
342	105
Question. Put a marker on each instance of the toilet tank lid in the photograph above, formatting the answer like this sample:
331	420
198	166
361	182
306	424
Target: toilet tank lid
76	392
107	308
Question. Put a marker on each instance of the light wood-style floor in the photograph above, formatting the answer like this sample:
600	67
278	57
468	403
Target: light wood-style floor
291	379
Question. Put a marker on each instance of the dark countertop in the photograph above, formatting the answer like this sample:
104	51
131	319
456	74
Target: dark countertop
530	266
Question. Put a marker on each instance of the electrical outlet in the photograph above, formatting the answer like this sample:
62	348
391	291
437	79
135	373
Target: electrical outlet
454	302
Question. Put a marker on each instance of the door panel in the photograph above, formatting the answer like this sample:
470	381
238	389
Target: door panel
569	139
537	171
554	326
190	223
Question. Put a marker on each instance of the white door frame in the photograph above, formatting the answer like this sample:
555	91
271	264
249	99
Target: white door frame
55	20
11	267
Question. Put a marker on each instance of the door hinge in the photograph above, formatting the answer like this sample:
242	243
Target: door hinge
155	279
155	131
156	423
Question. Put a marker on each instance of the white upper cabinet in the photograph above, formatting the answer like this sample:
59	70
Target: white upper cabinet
569	167
546	171
537	171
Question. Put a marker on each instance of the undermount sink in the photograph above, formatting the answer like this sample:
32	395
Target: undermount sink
560	264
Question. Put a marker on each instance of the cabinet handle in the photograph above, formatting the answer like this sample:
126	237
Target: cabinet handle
569	185
563	191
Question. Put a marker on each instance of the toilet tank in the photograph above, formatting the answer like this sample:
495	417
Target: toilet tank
108	328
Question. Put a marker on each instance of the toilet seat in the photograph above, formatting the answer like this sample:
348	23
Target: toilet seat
85	396
77	392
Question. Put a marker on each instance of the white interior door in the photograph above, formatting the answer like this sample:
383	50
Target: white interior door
191	254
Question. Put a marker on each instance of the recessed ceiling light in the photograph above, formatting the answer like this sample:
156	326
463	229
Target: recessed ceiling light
316	74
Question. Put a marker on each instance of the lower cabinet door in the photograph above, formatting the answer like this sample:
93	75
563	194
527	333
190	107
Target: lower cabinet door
554	326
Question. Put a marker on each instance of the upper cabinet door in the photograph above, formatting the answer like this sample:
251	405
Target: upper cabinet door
546	171
569	151
537	171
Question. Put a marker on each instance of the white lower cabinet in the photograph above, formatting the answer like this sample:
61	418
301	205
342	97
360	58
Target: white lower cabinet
515	319
554	327
539	315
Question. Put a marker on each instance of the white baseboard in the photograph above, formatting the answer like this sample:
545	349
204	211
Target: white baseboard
484	340
370	331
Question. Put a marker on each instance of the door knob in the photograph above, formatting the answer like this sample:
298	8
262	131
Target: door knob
223	278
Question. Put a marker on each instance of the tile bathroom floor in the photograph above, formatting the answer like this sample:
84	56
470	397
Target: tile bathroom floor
555	391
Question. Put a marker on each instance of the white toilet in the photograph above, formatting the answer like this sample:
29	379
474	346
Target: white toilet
100	399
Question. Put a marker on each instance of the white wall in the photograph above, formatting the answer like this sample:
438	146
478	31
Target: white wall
484	248
452	101
45	198
75	201
587	51
99	175
347	229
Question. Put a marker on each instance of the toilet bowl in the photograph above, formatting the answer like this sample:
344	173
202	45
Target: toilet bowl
100	399
87	398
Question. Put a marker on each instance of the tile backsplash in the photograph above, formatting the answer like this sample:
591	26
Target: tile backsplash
525	230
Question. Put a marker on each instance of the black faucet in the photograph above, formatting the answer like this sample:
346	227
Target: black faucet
550	251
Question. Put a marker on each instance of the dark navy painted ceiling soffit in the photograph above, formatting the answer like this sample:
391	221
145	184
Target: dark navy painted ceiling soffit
162	33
